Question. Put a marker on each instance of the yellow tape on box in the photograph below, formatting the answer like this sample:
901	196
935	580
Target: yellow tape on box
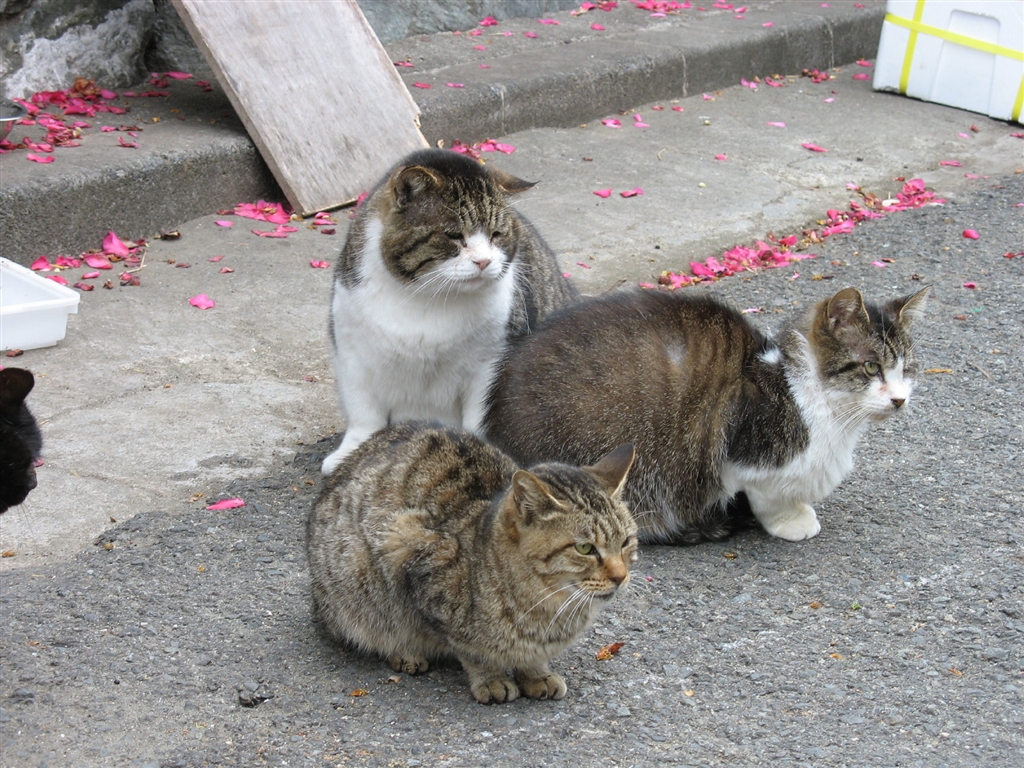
963	54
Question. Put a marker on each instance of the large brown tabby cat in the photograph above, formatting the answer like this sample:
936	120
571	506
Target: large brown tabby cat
439	270
427	542
714	407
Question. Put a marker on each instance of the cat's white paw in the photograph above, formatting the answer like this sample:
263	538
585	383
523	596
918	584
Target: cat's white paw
352	440
793	525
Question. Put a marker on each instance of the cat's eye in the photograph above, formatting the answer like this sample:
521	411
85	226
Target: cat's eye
585	549
456	236
871	368
496	234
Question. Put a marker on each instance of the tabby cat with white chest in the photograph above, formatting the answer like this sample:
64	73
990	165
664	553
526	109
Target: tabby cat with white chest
427	542
437	273
714	407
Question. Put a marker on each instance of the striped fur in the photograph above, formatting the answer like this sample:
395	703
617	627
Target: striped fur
427	542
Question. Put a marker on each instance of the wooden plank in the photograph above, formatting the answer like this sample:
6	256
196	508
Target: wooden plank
314	88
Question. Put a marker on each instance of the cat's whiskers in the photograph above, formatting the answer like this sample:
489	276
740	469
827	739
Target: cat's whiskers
575	600
554	591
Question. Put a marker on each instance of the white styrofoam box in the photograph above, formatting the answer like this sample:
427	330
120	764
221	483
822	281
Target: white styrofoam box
33	310
967	54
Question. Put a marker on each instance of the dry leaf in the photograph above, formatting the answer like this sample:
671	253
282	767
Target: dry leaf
838	656
939	370
729	555
360	692
604	654
7	553
815	605
956	672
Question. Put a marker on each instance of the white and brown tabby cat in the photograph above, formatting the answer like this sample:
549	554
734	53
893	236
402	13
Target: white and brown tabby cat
427	542
714	407
437	273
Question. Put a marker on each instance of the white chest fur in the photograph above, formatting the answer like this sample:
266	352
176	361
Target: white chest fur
781	497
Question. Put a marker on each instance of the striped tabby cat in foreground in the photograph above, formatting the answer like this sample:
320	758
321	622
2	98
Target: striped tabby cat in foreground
428	542
713	406
437	273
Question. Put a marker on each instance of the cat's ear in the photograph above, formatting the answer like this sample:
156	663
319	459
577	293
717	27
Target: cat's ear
412	181
909	309
531	496
611	471
15	384
508	183
846	310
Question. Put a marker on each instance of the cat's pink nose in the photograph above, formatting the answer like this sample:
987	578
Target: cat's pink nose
482	263
897	402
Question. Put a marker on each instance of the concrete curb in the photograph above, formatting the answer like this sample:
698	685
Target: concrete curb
188	167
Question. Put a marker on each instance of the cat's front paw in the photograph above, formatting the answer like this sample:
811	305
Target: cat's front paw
411	665
549	686
494	690
793	525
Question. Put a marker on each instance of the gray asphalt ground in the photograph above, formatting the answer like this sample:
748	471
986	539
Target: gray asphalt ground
138	626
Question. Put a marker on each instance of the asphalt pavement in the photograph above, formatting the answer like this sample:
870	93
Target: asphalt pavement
142	629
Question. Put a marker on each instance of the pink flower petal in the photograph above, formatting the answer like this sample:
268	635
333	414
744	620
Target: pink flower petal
479	47
612	122
456	85
529	34
39	158
548	21
598	192
222	223
953	163
777	124
829	100
57	279
402	63
640	124
879	264
83	286
315	264
226	504
768	24
96	261
202	301
90	275
597	27
178	75
215	258
127	144
862	76
971	234
484	66
970	286
721	157
632	192
421	85
567	275
41	264
488	21
582	264
813	147
677	109
112	244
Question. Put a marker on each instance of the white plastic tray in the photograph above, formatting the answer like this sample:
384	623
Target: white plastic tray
33	310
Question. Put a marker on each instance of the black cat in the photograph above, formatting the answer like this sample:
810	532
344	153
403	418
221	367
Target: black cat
20	440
